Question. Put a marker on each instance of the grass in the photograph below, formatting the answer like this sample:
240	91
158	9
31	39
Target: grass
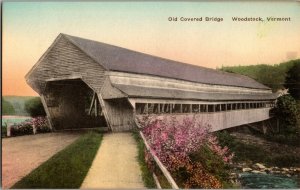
67	168
146	174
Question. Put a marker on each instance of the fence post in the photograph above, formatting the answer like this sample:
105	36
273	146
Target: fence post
8	128
34	129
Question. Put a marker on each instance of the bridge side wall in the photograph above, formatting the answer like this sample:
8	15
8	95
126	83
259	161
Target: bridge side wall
223	120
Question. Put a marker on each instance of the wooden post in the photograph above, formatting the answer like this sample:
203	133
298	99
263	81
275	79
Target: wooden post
92	103
8	129
47	112
160	165
102	104
180	108
96	110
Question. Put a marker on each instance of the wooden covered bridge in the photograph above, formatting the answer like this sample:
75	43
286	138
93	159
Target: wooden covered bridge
84	83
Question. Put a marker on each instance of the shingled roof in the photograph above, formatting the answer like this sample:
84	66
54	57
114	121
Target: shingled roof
115	58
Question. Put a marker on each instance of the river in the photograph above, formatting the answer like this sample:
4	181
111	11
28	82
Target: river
268	181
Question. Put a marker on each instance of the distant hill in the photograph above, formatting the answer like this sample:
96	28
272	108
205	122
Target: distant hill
18	103
272	76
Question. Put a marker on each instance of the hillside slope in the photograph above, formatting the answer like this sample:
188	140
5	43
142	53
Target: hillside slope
272	76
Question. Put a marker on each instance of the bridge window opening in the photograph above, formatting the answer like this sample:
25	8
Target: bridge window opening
223	107
233	106
185	108
217	108
140	108
156	109
166	108
161	108
210	108
176	108
228	107
150	108
203	108
195	108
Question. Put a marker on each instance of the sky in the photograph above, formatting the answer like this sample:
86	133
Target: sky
29	28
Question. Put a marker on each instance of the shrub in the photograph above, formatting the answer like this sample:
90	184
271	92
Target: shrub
41	124
35	107
24	128
287	112
3	131
7	108
174	144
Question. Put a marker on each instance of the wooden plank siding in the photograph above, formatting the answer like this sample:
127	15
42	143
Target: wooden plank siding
221	120
110	92
120	113
64	60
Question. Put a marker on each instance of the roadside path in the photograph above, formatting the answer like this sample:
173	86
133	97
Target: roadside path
115	164
21	155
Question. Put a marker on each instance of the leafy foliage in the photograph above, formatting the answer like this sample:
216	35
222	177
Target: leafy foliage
174	144
18	103
272	76
35	107
7	108
26	127
287	112
292	80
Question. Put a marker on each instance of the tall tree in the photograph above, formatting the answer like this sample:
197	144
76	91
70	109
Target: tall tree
292	80
7	108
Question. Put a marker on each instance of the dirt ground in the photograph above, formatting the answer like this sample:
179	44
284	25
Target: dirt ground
115	165
20	155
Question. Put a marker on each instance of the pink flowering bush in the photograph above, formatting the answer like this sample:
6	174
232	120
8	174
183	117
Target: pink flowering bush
41	124
26	127
174	143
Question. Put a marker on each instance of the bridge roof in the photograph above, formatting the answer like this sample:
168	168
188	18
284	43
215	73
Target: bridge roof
146	92
120	59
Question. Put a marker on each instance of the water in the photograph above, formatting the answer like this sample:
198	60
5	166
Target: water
267	181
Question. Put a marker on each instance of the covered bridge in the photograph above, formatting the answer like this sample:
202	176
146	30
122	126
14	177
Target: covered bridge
84	83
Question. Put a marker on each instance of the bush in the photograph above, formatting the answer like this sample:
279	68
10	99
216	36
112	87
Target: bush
41	124
7	108
24	128
174	144
287	112
3	131
35	107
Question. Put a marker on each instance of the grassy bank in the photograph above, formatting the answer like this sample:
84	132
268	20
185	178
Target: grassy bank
67	168
146	174
248	152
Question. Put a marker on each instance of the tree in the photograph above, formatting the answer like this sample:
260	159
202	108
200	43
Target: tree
35	107
7	108
287	112
292	80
